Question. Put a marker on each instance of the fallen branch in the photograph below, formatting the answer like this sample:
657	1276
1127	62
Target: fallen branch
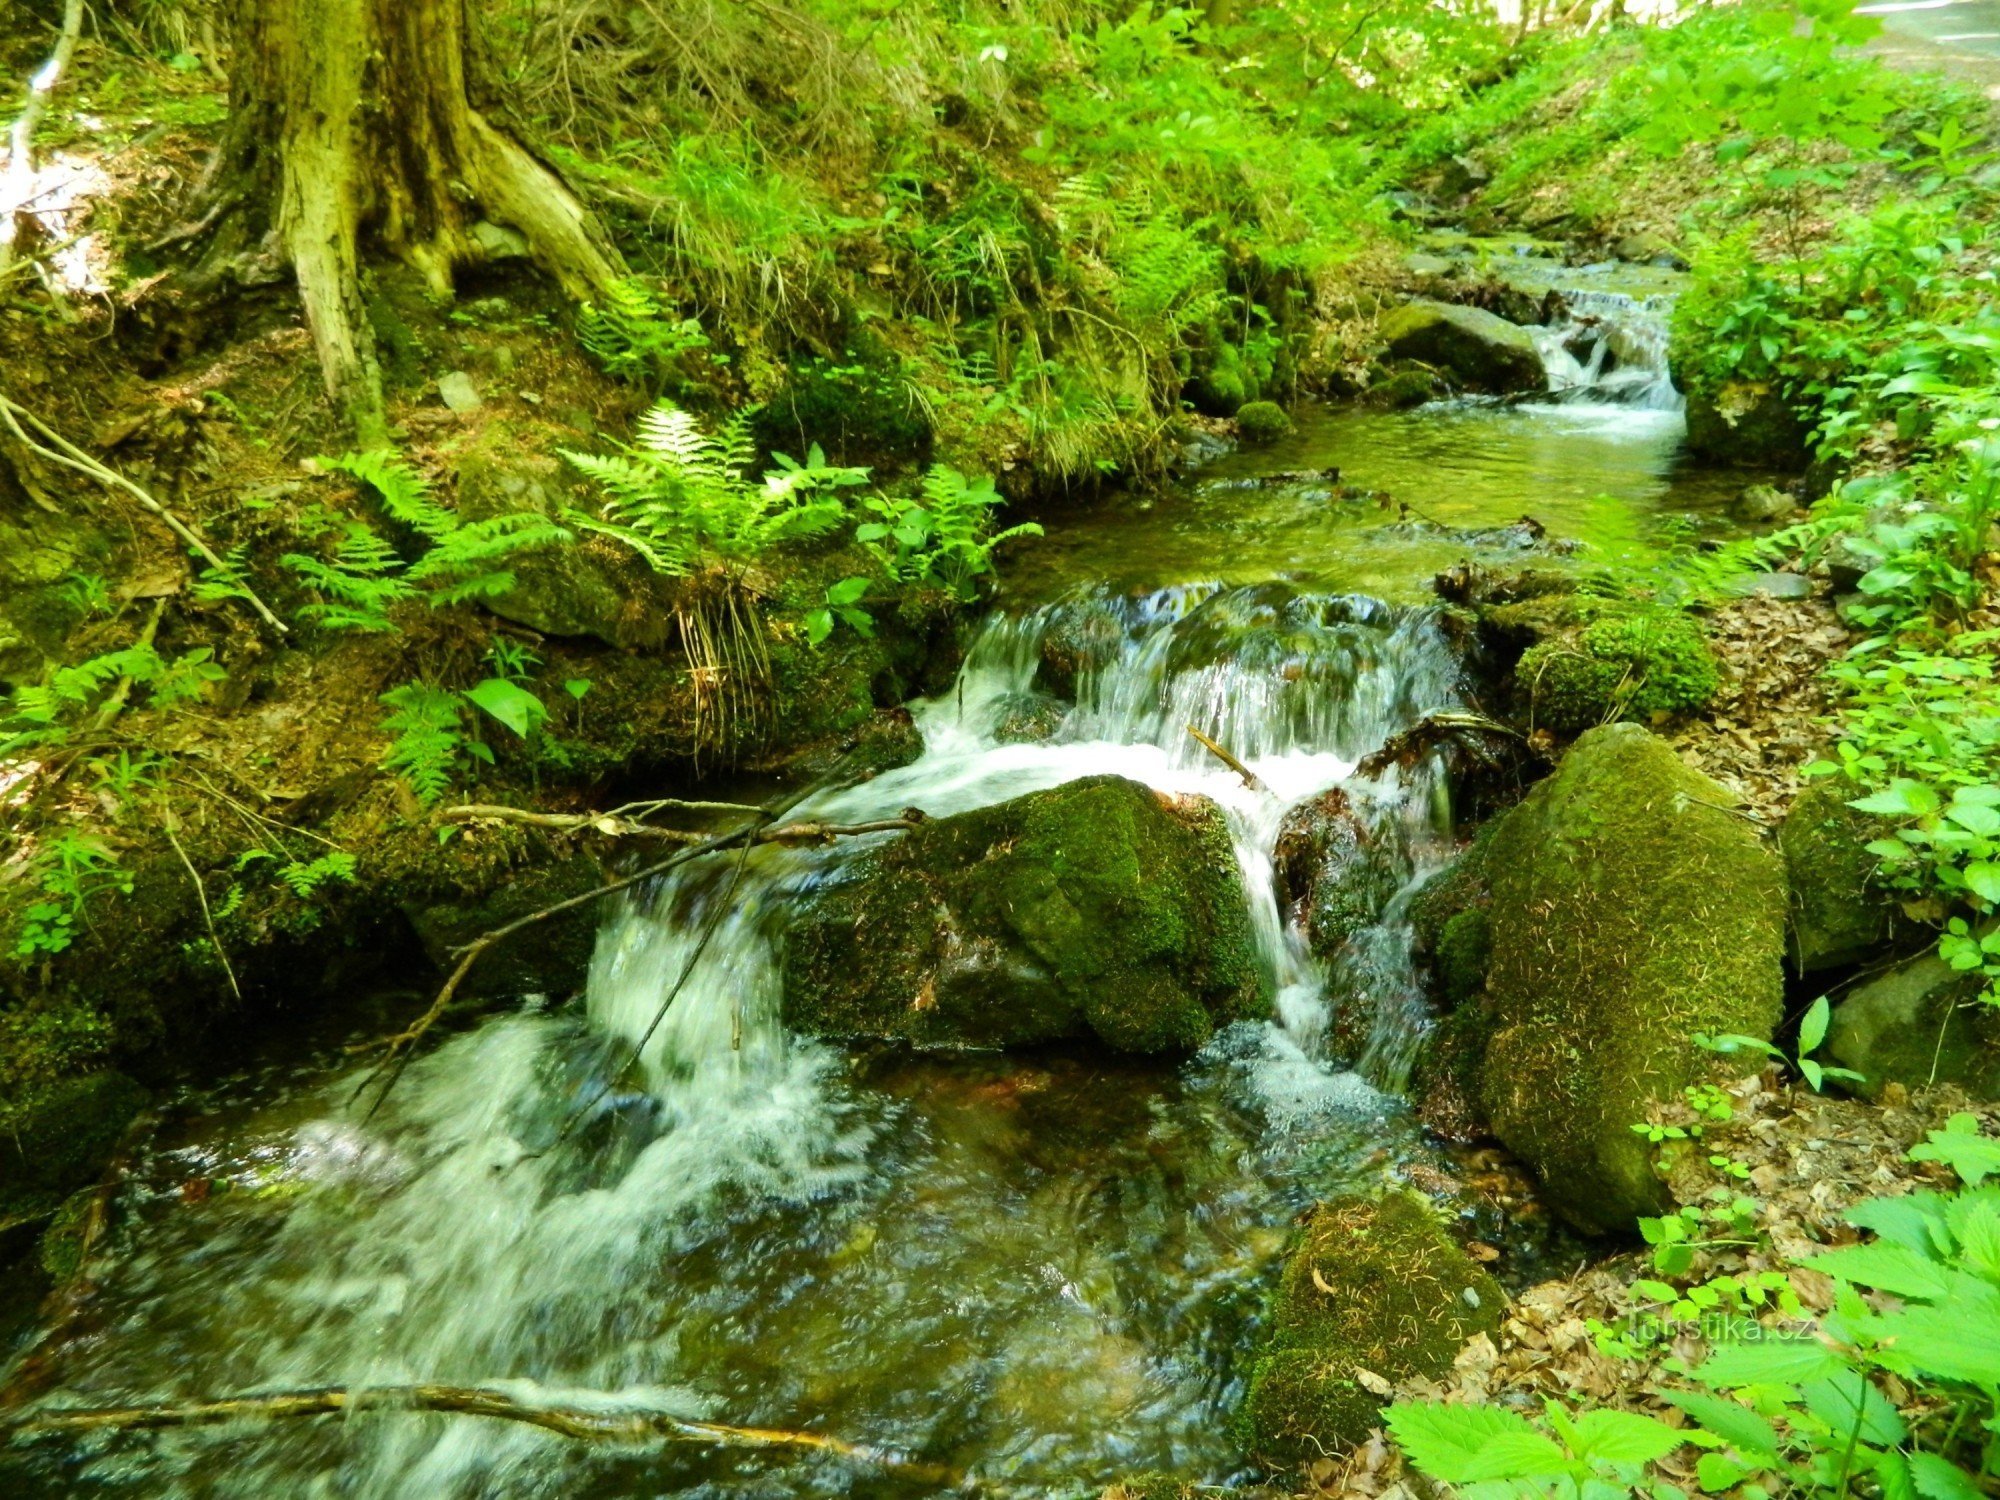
1249	776
602	1419
619	822
61	451
758	831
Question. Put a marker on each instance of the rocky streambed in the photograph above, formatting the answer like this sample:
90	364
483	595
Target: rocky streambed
1101	1122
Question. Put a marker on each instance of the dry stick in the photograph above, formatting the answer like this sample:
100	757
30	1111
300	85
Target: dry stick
207	916
1249	776
477	1401
391	1067
69	456
619	822
21	143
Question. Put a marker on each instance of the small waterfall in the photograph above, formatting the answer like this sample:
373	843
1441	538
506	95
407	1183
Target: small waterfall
1610	348
745	1227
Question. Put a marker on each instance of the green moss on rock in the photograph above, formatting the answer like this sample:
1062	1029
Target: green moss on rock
1839	914
1631	909
1485	352
1917	1024
1098	908
1646	667
1375	1286
1262	422
58	1136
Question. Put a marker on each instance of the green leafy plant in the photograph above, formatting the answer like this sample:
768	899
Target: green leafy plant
943	540
429	746
842	606
634	338
44	714
306	878
69	873
1812	1032
1501	1452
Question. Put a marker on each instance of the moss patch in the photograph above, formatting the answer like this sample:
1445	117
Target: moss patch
1375	1287
1646	667
1098	908
1262	422
1631	909
1839	914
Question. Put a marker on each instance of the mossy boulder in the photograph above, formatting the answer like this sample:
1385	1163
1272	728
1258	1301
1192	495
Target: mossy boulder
1262	422
57	1137
1100	908
1645	667
1631	908
1029	718
1917	1024
1374	1288
549	958
1745	422
1839	914
1483	351
1403	387
1332	869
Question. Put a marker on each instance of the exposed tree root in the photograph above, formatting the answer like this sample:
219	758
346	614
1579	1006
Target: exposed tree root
1243	772
601	1419
61	451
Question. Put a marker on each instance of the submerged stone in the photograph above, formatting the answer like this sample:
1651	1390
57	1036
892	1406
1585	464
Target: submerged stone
1374	1292
1100	908
1485	352
1631	908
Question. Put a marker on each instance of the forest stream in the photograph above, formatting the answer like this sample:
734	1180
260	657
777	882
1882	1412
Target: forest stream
1035	1270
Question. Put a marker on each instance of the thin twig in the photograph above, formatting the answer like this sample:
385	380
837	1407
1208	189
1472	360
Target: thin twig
606	1422
201	895
69	456
1249	776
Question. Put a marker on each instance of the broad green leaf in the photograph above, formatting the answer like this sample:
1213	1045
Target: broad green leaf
1959	1339
1889	1268
1812	1029
1772	1361
510	703
1623	1437
1960	1145
1841	1401
1938	1478
1915	1222
847	591
1447	1442
1715	1473
1732	1421
1982	878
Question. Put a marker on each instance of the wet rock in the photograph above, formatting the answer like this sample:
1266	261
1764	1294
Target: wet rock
58	1136
1645	248
1029	718
1400	389
1918	1024
1485	352
1333	871
1760	503
550	958
1100	908
1839	914
1744	422
1374	1293
1081	640
1645	667
1630	909
1262	422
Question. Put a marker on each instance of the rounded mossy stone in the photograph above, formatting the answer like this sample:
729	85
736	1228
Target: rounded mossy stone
1646	667
1099	908
1485	351
1918	1024
1262	422
1631	909
1373	1285
1411	385
1839	914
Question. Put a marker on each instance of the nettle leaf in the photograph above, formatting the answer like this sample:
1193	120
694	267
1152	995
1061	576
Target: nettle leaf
1773	1361
1623	1437
1888	1268
1939	1478
1915	1222
1960	1145
1848	1403
1736	1424
1903	798
510	703
1451	1443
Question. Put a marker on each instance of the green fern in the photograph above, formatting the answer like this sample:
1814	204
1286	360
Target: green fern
630	334
430	743
304	879
360	584
681	495
402	489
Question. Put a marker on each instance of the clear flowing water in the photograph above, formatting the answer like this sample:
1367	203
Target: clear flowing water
1040	1271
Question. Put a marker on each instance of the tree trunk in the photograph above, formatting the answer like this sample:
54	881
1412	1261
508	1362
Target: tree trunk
352	117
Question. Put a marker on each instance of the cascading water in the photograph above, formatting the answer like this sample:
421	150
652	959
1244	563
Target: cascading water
1610	348
1040	1272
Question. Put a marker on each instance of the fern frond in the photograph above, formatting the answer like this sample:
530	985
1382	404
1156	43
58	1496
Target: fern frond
662	557
429	728
402	489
